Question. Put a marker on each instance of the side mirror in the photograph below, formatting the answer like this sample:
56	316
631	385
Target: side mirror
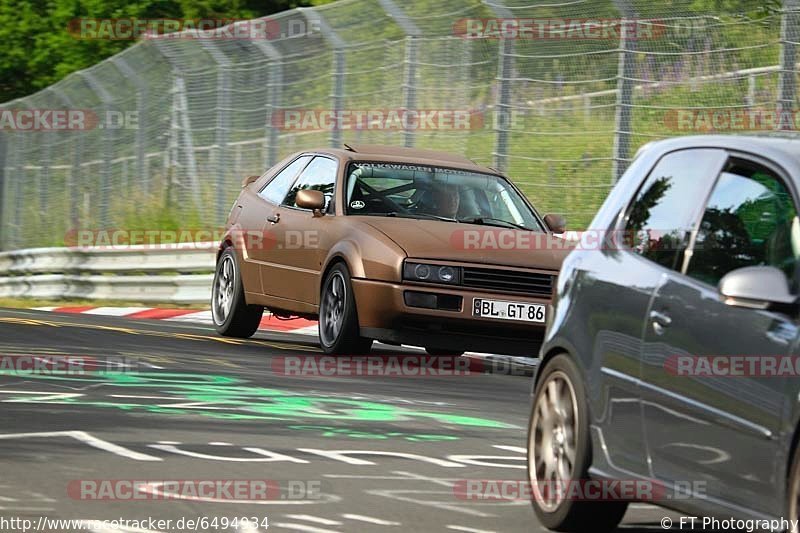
756	287
310	199
556	223
248	180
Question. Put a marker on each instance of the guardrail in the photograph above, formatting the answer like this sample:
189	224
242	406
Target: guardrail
172	273
169	273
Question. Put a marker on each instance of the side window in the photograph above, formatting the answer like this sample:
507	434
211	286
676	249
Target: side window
275	191
319	175
751	219
669	202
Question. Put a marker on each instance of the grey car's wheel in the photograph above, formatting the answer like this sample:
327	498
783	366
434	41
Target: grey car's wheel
559	453
338	318
229	310
793	489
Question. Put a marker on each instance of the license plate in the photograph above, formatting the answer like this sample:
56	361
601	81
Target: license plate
504	310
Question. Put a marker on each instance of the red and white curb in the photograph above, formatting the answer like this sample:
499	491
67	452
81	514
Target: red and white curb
298	326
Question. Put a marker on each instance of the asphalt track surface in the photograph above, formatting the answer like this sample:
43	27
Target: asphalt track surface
201	407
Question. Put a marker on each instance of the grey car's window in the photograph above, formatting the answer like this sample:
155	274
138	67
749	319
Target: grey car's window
668	204
275	191
751	219
319	175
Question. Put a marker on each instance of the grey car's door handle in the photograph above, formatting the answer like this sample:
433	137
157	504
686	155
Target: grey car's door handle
274	219
660	321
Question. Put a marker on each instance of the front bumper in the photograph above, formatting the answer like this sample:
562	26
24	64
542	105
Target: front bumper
384	315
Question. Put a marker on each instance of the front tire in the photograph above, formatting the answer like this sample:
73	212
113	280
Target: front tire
793	489
559	453
229	310
338	318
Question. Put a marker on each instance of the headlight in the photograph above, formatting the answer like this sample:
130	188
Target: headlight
432	273
447	274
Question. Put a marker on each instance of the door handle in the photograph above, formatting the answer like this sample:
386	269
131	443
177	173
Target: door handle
274	219
660	320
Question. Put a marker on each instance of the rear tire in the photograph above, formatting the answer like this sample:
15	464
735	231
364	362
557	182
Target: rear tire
559	452
229	310
793	489
338	318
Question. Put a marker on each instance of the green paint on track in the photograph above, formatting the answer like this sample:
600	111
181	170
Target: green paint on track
229	398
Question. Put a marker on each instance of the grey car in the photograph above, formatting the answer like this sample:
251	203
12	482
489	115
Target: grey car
671	357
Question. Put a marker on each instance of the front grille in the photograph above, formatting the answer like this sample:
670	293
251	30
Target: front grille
509	281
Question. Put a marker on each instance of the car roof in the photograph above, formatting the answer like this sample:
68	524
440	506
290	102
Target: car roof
397	154
782	148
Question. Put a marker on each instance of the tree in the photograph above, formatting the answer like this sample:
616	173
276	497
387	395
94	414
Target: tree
37	48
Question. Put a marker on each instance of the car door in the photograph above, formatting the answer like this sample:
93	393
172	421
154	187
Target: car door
706	429
622	282
292	272
257	210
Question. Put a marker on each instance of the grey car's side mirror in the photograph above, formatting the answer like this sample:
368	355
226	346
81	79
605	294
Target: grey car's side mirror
756	287
556	223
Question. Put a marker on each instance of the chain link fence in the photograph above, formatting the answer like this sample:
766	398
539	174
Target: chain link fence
565	92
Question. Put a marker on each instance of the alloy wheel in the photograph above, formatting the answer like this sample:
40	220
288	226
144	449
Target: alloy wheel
553	441
223	290
333	307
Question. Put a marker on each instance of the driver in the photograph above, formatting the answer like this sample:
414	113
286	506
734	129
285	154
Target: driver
445	201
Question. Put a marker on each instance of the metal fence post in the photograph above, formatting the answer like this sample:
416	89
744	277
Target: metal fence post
223	123
72	181
108	144
623	118
339	61
275	86
43	178
141	125
181	106
16	183
502	115
409	62
787	84
3	189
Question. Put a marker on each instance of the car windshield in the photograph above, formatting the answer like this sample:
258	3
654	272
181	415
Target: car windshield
415	191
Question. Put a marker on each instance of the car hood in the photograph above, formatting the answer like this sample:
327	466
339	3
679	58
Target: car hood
471	243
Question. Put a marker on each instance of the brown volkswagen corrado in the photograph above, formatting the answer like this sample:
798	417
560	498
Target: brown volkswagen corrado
399	245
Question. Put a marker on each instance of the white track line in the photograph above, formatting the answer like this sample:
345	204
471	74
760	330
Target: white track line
311	518
303	527
371	520
469	529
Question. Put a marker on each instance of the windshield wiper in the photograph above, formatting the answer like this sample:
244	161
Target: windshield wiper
488	221
417	215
